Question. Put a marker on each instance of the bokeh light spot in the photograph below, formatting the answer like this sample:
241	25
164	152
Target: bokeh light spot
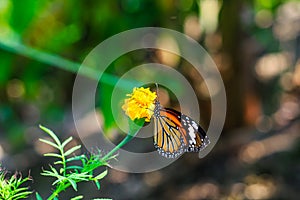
1	152
192	27
116	176
259	187
152	179
201	191
15	88
213	84
264	123
166	57
264	18
271	65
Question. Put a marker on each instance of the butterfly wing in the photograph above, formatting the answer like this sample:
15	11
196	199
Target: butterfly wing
168	138
177	133
196	138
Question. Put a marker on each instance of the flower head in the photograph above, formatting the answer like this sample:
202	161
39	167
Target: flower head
140	104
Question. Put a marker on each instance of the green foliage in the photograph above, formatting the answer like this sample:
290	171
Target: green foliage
11	187
38	196
105	99
69	170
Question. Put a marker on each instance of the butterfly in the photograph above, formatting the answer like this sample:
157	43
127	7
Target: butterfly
176	133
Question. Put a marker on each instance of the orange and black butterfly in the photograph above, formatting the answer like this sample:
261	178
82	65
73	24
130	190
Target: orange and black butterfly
176	133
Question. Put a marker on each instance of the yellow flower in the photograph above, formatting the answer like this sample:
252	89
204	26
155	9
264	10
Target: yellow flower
140	104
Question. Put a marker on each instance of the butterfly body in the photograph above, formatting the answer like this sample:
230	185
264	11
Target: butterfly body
176	133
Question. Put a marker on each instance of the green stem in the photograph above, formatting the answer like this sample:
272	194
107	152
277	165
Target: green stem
62	63
134	127
63	161
122	143
62	187
53	195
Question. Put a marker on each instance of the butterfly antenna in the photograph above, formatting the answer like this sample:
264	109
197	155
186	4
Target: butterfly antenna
157	90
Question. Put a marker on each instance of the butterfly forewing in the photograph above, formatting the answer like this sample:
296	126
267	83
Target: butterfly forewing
168	137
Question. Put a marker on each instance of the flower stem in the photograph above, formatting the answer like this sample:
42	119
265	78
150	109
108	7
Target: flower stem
122	143
134	127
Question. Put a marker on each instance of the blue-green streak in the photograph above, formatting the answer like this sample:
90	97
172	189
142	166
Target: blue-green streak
62	63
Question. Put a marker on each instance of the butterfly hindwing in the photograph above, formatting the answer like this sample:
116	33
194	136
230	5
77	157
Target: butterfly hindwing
196	137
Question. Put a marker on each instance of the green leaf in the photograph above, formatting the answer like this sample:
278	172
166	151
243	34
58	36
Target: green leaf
10	187
22	15
104	96
21	189
80	177
77	158
97	184
55	138
5	69
74	167
49	173
73	183
66	141
60	180
38	196
53	155
77	197
70	175
53	169
49	143
21	195
101	176
72	150
58	162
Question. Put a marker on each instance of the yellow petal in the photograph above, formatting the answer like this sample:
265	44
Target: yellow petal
140	104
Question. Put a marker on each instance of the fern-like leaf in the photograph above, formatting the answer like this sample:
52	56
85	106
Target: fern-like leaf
102	175
53	155
73	169
11	188
66	142
77	158
77	197
38	196
73	183
54	137
49	143
72	150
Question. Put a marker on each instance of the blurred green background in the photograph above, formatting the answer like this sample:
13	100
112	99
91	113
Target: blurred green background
255	44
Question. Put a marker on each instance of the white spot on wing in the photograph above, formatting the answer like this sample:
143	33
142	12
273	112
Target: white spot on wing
194	124
192	135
